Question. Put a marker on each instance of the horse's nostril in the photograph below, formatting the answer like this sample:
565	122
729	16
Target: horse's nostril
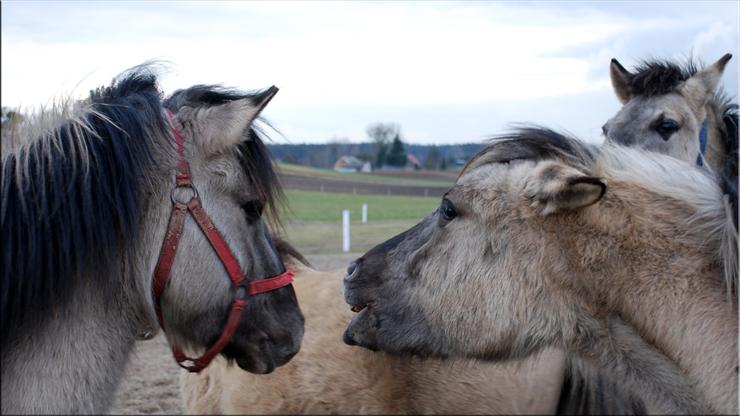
351	268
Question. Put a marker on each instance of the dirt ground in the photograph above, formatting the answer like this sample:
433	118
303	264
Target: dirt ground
320	184
151	384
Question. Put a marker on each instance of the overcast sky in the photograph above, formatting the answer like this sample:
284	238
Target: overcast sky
446	72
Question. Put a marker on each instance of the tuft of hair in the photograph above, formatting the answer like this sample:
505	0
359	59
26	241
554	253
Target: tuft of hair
586	391
532	142
285	249
254	156
658	77
71	193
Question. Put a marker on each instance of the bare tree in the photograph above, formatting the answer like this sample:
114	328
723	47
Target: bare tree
381	135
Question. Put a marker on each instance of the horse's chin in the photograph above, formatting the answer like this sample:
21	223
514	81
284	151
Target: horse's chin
263	360
257	366
361	329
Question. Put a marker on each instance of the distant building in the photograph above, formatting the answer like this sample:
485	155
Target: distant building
351	164
412	162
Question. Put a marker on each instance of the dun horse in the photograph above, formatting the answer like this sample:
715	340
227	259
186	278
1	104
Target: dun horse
86	198
328	377
613	256
679	110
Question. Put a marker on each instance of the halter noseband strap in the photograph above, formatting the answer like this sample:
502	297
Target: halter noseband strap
702	142
162	271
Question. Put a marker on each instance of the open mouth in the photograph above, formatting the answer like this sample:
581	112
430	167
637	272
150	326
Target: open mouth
358	308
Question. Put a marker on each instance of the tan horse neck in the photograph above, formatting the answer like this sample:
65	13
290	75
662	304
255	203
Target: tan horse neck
633	265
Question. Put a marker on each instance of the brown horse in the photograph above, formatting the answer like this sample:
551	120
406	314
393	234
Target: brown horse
330	377
614	255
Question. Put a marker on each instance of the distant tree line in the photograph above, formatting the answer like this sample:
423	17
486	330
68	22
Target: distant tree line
434	157
385	148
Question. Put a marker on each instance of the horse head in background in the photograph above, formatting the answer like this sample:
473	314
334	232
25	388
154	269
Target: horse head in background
679	110
85	204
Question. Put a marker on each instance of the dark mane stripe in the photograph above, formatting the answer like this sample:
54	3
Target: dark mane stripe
533	143
254	156
71	199
730	138
658	77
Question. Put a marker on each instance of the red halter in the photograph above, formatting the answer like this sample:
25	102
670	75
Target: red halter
167	256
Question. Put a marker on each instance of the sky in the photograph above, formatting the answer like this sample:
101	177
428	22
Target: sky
446	72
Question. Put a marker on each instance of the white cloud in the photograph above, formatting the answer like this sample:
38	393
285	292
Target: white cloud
332	57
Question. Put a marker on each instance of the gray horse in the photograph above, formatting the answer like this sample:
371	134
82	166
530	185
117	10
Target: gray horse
679	110
85	206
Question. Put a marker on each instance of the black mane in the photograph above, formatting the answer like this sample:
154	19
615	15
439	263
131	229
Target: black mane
658	77
254	155
729	178
71	198
534	143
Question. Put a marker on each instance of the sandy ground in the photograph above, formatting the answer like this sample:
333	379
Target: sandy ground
151	384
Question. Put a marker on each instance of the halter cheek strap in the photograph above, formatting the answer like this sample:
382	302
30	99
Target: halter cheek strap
702	142
243	289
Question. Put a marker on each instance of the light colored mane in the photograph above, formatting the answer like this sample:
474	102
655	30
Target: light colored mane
41	121
64	119
707	225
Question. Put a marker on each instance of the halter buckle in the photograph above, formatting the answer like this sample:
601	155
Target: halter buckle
241	292
184	186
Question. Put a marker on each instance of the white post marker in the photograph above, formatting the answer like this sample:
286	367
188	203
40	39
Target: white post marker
345	231
364	213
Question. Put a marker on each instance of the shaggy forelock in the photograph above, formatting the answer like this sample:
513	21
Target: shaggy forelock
658	77
533	143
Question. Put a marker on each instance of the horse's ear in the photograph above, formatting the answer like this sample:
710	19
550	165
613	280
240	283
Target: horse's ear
620	81
225	125
701	87
555	187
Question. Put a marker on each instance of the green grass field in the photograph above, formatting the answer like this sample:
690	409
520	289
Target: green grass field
305	206
313	222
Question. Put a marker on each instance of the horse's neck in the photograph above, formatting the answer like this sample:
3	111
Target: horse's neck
697	330
674	298
628	360
72	361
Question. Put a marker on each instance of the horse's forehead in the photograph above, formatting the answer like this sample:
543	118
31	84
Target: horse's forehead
493	176
673	105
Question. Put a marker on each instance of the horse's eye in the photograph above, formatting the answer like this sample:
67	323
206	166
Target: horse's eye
447	209
253	209
666	128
